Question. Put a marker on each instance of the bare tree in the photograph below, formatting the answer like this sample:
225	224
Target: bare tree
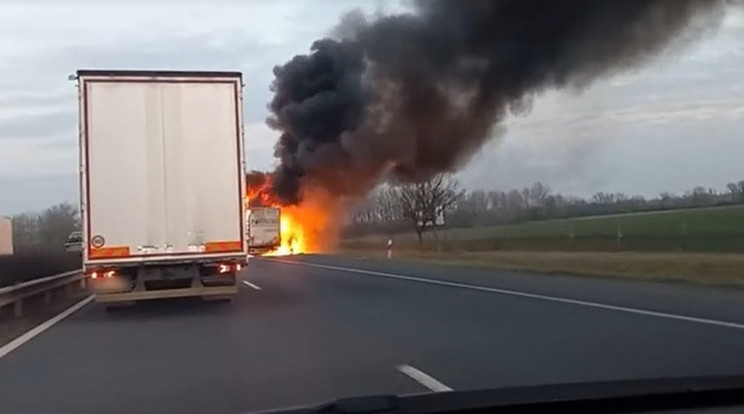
47	230
470	209
26	231
57	222
603	198
737	192
392	209
423	202
387	205
516	205
538	193
666	199
700	196
477	201
379	213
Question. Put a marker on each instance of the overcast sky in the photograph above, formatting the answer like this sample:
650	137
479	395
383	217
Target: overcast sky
673	124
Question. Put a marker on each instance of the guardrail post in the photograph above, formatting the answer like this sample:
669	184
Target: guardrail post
82	282
48	297
18	308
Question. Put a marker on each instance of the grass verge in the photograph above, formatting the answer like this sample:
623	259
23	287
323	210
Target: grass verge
704	230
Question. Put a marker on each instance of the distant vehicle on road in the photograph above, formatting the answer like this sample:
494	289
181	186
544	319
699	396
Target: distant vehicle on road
162	183
74	242
263	229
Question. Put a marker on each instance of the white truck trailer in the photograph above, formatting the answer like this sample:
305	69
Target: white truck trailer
6	236
264	229
162	183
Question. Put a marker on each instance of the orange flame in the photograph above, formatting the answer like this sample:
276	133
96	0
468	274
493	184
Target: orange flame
293	236
303	226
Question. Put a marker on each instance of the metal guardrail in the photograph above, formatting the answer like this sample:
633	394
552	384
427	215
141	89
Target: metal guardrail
15	294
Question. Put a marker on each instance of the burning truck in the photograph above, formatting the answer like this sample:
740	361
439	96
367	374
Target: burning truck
263	230
274	228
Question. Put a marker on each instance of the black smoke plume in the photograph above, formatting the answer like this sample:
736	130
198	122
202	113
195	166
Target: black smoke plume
415	94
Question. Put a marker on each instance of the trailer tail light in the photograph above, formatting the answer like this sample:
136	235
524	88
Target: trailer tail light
103	274
224	268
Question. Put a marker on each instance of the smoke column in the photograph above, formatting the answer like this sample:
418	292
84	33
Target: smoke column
411	95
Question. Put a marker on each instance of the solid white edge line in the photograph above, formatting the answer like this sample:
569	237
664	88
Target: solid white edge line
249	284
526	295
423	378
12	345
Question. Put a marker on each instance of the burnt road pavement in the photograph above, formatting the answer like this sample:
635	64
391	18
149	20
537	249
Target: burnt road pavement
299	334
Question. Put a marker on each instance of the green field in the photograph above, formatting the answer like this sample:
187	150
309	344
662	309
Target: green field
715	229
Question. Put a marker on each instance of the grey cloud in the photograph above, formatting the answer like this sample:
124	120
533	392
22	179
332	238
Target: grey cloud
642	98
662	111
37	126
553	144
38	103
18	195
10	98
563	161
634	158
187	53
47	107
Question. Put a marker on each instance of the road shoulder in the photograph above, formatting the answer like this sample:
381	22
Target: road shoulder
683	299
703	269
36	313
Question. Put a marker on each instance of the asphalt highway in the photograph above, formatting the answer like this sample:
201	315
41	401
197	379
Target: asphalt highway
308	329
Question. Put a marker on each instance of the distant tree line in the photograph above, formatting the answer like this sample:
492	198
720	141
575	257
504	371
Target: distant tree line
46	230
439	202
389	208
